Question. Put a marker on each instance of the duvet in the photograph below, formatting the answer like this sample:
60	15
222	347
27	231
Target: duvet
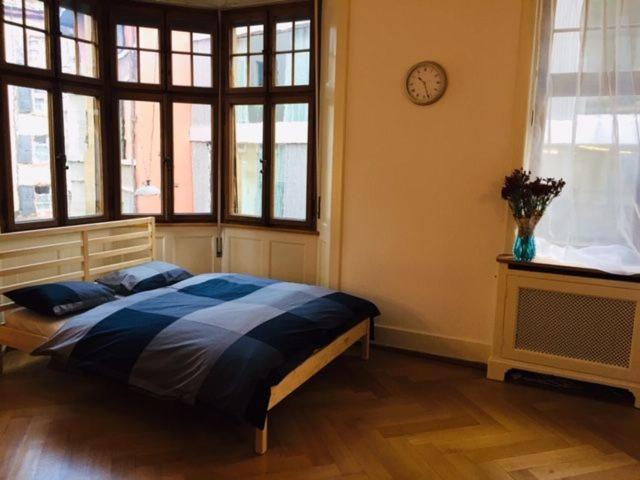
221	340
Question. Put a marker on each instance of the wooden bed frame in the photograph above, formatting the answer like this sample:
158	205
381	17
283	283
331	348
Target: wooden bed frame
110	244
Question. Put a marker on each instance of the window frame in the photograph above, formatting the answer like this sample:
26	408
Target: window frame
191	217
309	222
108	91
269	96
178	19
138	16
51	26
104	152
115	130
291	13
95	8
7	197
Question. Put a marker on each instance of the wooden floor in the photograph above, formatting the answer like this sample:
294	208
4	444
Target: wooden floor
394	417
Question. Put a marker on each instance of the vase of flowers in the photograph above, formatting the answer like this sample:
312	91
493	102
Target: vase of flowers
528	199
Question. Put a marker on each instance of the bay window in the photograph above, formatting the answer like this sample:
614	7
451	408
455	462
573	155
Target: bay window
117	109
586	129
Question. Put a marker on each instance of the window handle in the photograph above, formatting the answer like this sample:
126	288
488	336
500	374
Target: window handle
62	158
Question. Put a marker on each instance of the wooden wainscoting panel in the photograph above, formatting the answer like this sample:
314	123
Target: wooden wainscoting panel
287	261
195	253
276	254
161	247
245	255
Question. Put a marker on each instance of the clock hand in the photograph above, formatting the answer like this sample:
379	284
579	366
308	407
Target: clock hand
425	87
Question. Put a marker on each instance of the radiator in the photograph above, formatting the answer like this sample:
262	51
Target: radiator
585	328
595	329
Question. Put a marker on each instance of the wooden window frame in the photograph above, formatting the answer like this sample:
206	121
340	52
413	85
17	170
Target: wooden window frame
292	13
7	197
309	222
203	22
108	90
191	217
50	27
115	129
269	95
94	8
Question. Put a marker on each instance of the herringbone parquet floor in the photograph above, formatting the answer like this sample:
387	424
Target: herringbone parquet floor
394	417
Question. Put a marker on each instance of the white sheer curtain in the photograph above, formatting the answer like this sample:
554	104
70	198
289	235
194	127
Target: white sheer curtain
586	129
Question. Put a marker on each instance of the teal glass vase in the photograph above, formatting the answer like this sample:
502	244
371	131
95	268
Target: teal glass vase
524	247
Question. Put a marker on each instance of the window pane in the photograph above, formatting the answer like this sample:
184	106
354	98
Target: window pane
303	35
82	148
148	38
246	167
201	43
180	41
239	40
68	55
290	164
257	38
301	74
87	59
37	49
283	69
67	22
202	71
256	69
127	65
239	72
284	36
181	69
13	44
140	166
127	36
13	10
85	27
29	127
34	13
149	67
568	13
192	158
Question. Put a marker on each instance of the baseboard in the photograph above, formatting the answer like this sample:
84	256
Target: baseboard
456	348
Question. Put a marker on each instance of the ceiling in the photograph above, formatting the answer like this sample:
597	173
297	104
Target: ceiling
218	3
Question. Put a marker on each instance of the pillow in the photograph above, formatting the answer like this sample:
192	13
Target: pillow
61	298
144	277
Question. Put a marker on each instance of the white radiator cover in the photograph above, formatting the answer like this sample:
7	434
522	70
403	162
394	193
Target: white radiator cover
571	326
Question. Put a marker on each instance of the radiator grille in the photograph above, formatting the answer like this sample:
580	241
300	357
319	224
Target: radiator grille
595	329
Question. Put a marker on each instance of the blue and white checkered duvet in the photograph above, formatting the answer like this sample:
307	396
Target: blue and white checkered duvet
221	340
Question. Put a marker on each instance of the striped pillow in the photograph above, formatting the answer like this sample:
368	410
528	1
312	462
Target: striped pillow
61	298
144	277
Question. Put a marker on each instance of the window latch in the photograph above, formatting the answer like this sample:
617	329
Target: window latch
62	158
219	247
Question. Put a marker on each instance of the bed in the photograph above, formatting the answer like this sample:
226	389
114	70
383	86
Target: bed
237	343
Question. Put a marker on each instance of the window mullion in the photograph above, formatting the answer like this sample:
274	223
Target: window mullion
59	181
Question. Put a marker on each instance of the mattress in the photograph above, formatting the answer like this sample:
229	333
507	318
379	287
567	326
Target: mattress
26	320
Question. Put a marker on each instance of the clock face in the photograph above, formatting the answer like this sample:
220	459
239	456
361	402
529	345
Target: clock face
426	83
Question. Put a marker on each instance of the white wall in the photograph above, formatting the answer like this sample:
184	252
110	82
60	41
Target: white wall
422	217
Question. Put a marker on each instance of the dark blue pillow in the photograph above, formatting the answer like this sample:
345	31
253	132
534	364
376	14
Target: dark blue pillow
62	298
143	277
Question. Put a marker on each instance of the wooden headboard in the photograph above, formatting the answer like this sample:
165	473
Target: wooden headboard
80	252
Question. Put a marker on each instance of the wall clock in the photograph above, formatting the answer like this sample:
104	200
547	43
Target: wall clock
425	83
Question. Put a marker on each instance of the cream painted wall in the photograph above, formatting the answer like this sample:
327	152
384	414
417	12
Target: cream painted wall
422	218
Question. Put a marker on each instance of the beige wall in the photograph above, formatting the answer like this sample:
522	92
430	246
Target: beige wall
422	218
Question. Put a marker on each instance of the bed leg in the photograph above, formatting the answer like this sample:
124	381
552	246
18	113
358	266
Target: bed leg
3	350
261	440
365	343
